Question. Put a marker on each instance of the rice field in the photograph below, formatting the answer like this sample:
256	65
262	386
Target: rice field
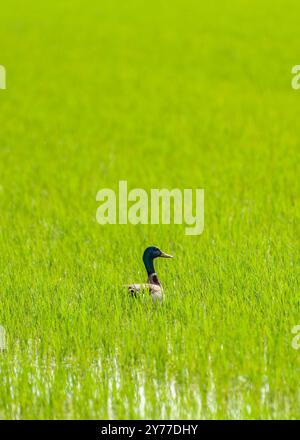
162	94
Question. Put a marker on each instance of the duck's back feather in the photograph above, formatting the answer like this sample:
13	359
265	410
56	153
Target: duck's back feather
153	289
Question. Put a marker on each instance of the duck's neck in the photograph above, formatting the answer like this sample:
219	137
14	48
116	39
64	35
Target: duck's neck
153	279
152	276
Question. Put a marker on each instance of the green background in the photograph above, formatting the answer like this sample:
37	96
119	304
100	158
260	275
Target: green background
162	94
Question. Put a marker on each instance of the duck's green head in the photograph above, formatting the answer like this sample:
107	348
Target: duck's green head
149	254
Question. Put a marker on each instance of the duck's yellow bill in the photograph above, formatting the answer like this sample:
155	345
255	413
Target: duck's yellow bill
164	255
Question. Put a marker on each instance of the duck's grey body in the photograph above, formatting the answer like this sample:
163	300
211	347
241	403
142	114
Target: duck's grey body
156	292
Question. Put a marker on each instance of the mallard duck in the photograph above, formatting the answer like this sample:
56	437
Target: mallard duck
152	286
